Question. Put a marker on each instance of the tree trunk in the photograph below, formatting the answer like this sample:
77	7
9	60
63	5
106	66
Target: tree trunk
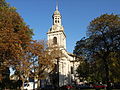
34	84
22	88
58	72
107	74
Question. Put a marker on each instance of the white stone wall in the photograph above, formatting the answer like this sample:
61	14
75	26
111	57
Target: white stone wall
61	38
66	61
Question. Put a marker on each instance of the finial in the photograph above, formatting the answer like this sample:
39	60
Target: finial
56	4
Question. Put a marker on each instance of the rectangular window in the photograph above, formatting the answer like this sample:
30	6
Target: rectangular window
71	70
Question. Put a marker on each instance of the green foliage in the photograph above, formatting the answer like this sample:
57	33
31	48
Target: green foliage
101	48
3	4
83	70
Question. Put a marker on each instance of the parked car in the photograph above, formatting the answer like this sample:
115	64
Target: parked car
66	87
101	86
84	86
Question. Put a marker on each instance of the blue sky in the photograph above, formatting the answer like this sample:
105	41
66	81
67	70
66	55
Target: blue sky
76	15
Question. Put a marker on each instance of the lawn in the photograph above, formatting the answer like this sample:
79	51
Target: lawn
100	89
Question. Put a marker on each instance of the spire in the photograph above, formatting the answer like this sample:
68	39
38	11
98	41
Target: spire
56	4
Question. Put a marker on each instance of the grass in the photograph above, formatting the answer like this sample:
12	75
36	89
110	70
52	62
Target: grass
94	89
100	89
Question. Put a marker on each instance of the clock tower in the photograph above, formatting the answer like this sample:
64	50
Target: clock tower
56	35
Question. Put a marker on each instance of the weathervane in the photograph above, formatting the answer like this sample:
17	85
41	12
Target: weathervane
56	4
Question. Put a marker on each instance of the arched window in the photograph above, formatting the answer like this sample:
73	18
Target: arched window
55	40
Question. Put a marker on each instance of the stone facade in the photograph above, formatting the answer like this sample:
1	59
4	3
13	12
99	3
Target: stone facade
67	63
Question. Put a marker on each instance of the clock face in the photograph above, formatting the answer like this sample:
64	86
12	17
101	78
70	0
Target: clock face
54	28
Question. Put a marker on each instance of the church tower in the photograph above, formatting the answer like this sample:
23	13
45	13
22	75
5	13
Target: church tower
56	35
57	38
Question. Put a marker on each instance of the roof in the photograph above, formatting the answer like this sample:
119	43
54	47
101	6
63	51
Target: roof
56	12
78	58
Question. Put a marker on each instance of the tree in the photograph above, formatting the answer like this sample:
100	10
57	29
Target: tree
27	57
15	35
103	40
83	70
3	3
35	62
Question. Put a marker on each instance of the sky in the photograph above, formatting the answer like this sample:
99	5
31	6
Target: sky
76	16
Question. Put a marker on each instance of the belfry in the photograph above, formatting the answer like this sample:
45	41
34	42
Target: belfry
56	35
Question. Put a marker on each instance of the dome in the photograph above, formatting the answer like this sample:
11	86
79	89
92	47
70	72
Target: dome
56	12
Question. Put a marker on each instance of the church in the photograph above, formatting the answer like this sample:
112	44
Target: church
68	63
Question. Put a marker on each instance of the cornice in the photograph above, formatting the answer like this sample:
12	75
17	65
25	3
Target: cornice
56	32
